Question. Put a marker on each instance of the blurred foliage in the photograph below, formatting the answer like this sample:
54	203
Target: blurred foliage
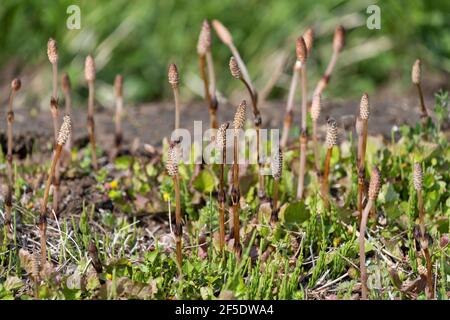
139	39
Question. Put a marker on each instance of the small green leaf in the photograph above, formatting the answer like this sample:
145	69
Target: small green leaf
205	181
122	163
294	214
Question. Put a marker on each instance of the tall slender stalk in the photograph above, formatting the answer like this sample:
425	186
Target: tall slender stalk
416	77
302	55
15	86
174	80
374	189
206	62
316	106
331	141
277	169
172	169
236	72
221	141
67	88
52	53
118	90
338	44
55	116
63	135
308	38
89	74
418	185
225	36
290	104
238	124
361	130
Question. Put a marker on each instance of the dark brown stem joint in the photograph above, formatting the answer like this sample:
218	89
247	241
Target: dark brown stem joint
10	116
178	230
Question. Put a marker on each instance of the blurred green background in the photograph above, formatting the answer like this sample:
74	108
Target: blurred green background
139	38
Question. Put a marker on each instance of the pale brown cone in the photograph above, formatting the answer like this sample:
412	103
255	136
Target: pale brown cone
16	84
308	37
416	73
65	83
234	69
301	50
89	68
222	32
64	132
239	117
418	176
276	165
172	160
173	76
339	38
221	137
316	106
204	39
118	85
332	133
375	183
52	51
364	108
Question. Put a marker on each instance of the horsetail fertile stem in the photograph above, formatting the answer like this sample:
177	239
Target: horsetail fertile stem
338	45
172	170
237	74
418	185
221	141
225	36
316	106
302	54
89	74
308	38
15	86
66	88
174	80
205	58
238	124
52	53
361	131
416	77
277	169
55	116
118	90
374	189
63	136
290	104
331	141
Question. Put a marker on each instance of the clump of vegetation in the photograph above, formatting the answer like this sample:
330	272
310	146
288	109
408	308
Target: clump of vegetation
111	239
